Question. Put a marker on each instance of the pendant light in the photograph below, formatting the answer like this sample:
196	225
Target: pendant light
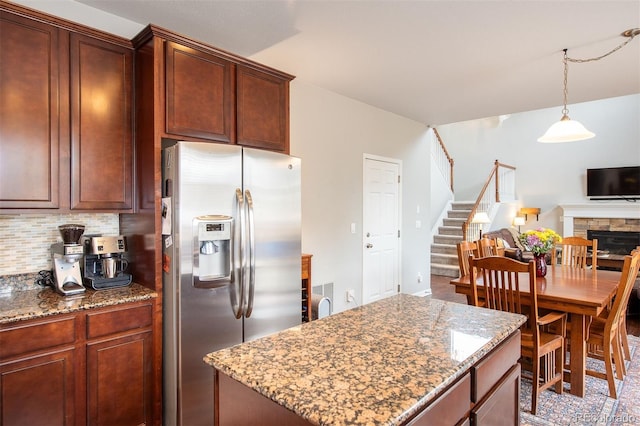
568	130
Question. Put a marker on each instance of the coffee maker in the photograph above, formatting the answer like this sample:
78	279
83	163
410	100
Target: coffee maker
67	257
104	264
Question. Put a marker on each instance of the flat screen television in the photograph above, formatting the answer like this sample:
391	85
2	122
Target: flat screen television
614	182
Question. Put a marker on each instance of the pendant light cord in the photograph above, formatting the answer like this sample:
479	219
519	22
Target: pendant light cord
565	111
629	33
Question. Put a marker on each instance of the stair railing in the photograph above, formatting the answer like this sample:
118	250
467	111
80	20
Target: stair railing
442	159
502	179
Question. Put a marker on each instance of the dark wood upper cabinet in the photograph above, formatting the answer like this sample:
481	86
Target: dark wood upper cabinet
30	99
208	94
262	110
199	94
101	124
66	118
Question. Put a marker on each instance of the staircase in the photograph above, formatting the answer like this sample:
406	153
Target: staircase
444	257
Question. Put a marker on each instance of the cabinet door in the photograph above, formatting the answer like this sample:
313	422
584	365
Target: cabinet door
101	124
199	94
119	388
262	110
38	390
29	105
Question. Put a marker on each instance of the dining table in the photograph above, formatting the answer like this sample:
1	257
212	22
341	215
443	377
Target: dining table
581	293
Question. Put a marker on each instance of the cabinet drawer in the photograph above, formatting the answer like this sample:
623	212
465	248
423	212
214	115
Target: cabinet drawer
500	407
450	408
118	320
488	372
32	337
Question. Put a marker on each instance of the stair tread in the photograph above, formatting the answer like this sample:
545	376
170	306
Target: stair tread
443	248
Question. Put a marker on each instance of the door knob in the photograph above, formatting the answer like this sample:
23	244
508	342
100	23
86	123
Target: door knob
369	245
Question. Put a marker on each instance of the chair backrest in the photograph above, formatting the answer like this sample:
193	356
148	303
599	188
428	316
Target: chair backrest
490	247
628	277
466	249
504	281
575	251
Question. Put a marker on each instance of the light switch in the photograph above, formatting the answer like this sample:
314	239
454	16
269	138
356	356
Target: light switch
418	224
353	228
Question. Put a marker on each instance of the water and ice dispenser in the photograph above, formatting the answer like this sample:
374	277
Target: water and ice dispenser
213	251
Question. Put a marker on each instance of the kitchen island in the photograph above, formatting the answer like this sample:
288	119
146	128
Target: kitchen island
401	360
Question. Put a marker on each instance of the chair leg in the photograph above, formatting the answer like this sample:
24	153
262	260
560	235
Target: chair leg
535	385
621	349
623	336
559	369
617	358
609	371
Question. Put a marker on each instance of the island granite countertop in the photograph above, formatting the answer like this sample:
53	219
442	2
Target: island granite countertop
22	299
375	364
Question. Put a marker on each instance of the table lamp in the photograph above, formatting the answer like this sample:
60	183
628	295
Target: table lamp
480	218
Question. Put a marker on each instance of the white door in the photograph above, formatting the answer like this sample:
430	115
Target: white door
381	228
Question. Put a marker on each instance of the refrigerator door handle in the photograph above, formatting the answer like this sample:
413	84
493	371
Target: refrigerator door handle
236	292
252	251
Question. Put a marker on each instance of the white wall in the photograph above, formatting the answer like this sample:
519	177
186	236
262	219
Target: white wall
331	133
440	189
547	174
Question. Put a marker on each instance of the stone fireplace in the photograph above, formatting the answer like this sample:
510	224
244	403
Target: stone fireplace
579	218
616	226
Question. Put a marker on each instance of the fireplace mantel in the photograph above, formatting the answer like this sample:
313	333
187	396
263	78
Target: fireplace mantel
597	210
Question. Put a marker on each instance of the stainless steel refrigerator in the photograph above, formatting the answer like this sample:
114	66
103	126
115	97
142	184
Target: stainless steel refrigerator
231	261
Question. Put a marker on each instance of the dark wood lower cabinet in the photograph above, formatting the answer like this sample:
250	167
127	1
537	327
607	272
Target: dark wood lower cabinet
94	367
38	390
501	404
118	381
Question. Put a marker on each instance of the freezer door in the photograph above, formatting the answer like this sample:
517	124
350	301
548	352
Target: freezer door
272	186
201	180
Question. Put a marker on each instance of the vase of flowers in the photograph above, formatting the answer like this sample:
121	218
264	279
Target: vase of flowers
540	242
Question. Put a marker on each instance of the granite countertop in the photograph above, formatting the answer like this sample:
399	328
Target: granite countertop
22	299
375	364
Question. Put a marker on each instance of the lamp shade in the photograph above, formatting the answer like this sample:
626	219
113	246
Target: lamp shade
566	130
518	220
481	217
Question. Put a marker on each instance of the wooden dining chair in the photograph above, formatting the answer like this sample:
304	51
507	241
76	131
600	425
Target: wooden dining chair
624	341
575	251
604	332
505	287
465	249
490	247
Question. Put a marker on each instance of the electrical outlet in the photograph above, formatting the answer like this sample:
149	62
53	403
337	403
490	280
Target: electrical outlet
351	295
419	277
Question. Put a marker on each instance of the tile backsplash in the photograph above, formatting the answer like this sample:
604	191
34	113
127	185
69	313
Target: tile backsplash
25	239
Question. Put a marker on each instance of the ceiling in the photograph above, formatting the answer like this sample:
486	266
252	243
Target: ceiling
435	62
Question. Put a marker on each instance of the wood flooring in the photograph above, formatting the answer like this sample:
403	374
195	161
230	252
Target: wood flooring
441	289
